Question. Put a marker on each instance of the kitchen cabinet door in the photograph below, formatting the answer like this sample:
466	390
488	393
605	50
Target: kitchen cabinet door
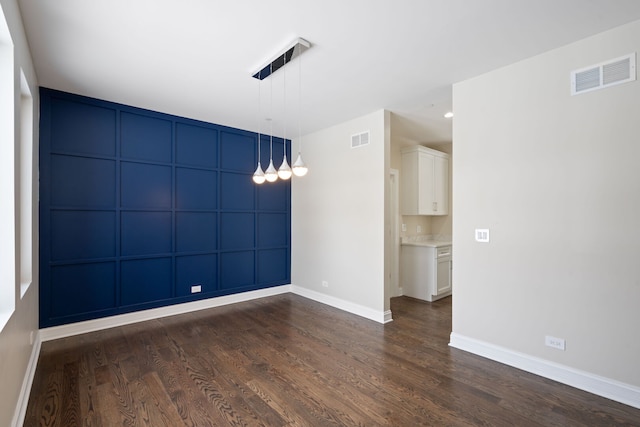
443	276
425	182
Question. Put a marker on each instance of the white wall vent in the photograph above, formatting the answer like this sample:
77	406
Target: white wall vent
360	139
600	76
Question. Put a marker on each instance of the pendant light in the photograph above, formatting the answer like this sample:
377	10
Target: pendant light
284	171
299	168
271	174
258	175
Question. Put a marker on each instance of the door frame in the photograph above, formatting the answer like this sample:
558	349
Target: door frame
394	212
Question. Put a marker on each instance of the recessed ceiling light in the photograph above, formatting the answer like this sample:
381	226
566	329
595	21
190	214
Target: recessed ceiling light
448	115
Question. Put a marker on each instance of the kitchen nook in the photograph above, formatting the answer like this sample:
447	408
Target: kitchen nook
426	249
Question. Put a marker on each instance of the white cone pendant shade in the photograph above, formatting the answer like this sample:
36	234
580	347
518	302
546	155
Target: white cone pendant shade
284	172
258	175
271	174
299	168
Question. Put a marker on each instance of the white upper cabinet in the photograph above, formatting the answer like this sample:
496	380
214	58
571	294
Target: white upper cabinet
424	182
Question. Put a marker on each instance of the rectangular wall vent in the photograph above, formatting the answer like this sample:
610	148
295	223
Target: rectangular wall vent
600	76
360	139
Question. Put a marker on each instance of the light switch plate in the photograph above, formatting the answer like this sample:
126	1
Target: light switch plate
557	343
482	235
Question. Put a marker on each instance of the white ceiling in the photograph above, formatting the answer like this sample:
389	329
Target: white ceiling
194	58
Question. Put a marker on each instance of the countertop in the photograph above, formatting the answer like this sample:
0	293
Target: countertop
424	241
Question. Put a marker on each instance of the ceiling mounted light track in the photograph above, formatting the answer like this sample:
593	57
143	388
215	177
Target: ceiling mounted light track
294	50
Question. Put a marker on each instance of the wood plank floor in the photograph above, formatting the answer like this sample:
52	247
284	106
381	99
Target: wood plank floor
289	361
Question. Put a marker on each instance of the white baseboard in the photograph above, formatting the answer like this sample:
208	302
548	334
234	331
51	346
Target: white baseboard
348	306
71	329
601	386
388	316
27	382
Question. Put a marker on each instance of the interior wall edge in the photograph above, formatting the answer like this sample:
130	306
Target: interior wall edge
592	383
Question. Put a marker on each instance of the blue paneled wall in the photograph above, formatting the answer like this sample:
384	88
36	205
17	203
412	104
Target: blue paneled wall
136	207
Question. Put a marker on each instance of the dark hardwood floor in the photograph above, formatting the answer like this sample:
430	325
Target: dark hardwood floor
289	361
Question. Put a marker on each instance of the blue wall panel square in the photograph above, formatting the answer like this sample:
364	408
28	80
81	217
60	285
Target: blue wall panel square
83	182
145	138
236	269
82	234
145	280
145	233
196	232
82	128
272	266
196	146
196	270
82	288
273	230
145	186
238	152
236	191
237	230
196	189
274	197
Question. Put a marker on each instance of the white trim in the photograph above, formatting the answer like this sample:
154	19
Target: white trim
71	329
27	382
601	386
348	306
62	331
394	176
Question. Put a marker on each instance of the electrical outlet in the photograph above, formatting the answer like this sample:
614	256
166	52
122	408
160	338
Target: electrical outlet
404	227
325	284
482	235
419	229
554	342
196	288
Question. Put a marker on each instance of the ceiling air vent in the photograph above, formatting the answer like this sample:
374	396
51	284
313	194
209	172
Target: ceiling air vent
610	73
360	139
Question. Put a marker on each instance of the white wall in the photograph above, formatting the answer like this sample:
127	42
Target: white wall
556	180
15	346
338	214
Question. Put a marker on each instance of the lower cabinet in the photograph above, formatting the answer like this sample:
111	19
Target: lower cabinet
426	272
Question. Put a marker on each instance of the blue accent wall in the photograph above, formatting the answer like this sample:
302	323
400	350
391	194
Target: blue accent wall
138	206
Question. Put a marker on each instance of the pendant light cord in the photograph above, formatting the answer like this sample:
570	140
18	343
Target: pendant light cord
284	107
299	101
271	112
259	110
